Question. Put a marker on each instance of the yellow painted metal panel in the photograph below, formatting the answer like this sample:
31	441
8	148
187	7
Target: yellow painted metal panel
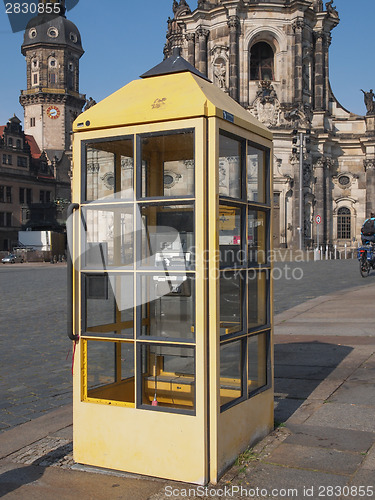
164	98
243	425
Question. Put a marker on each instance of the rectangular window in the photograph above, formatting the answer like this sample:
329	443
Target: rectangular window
21	161
52	78
48	196
110	371
257	296
22	195
2	219
167	303
257	359
256	237
109	170
230	237
32	122
231	372
108	305
231	302
109	237
230	167
29	196
8	219
8	194
2	191
168	377
10	162
168	164
167	236
35	78
257	175
4	159
41	196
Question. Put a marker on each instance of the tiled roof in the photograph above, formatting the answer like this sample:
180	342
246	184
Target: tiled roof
34	148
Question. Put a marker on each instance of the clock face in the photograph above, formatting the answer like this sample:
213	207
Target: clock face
53	112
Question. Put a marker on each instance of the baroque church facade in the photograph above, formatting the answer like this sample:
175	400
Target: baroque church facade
35	163
271	56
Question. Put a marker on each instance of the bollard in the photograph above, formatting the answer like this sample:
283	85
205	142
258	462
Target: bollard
346	250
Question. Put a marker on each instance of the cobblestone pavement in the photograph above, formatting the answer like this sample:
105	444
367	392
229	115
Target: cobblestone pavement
35	352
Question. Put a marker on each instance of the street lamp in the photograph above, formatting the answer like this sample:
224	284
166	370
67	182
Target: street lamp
303	139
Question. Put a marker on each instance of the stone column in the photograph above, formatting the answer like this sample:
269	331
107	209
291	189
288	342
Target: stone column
320	198
298	26
294	160
369	165
319	71
190	37
327	43
234	28
202	35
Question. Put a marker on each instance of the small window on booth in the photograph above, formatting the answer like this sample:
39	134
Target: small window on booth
231	372
110	371
108	170
168	164
257	174
168	377
261	62
231	160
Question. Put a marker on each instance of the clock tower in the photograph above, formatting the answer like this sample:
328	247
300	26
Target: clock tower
52	48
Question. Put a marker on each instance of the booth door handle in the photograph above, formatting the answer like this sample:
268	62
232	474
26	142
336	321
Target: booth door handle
69	229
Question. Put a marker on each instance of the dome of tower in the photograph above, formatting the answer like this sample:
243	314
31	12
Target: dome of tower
50	29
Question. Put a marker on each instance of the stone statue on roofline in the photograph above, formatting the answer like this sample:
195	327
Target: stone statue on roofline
369	101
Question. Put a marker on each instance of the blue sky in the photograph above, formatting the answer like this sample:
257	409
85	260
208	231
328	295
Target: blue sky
124	38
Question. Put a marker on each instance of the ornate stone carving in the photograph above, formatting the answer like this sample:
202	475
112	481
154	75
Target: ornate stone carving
127	163
307	174
202	32
301	115
369	164
190	37
294	158
331	10
266	106
319	163
220	62
298	25
233	23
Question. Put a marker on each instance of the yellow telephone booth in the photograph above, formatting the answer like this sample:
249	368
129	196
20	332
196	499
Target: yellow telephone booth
170	278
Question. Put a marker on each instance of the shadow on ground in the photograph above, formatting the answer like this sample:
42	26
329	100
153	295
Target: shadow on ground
299	369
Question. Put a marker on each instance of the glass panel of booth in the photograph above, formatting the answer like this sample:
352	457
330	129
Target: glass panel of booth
108	305
110	371
108	236
231	160
257	175
167	236
258	303
232	253
257	228
108	169
232	285
168	377
258	360
231	372
168	164
167	306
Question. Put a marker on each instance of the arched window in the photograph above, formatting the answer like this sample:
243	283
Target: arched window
344	224
261	62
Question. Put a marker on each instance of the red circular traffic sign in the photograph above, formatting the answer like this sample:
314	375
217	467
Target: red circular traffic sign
318	219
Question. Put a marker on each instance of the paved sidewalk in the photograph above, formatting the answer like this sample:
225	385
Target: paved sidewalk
323	445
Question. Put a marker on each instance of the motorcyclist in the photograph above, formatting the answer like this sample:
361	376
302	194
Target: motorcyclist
368	230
